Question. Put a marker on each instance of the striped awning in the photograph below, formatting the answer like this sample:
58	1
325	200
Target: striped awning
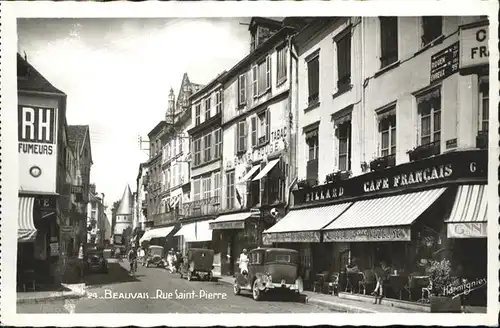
26	231
469	214
196	232
230	221
156	233
266	169
380	219
303	225
249	174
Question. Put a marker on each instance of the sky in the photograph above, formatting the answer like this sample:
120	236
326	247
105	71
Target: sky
117	72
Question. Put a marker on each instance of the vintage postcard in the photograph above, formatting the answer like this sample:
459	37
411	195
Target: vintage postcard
260	163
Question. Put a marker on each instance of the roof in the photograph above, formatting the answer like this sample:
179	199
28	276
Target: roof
125	207
209	85
265	22
29	79
156	128
76	135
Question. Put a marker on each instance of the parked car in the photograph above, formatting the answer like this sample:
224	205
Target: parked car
270	269
155	256
95	261
198	263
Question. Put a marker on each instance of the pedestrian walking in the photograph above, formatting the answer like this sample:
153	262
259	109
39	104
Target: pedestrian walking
243	262
132	259
80	261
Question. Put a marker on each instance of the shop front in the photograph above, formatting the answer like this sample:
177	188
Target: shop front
195	235
233	232
407	217
162	236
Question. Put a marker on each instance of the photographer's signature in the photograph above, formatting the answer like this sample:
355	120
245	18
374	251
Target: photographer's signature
464	288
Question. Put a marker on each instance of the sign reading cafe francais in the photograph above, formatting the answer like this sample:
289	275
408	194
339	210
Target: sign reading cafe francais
447	167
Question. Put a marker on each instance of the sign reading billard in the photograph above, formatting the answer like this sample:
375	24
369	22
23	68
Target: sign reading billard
227	225
368	234
461	166
467	230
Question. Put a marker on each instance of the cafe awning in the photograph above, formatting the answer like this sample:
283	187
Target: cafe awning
303	225
230	221
266	169
381	219
26	231
469	215
196	232
156	233
249	174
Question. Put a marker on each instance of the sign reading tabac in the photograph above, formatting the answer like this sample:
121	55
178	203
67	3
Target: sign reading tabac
37	148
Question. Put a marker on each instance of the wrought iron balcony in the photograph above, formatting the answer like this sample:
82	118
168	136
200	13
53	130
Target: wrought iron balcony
202	207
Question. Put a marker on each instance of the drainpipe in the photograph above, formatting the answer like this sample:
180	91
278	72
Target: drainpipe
293	121
363	87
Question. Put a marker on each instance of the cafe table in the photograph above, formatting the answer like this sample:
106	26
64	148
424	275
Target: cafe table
398	283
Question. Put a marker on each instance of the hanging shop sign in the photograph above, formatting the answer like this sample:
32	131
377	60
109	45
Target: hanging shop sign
37	145
292	237
276	144
445	63
465	166
227	225
474	51
368	234
467	230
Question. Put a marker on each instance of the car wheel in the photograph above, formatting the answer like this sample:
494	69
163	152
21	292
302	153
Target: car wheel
256	292
236	288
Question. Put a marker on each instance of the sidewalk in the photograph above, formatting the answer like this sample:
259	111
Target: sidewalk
74	291
335	303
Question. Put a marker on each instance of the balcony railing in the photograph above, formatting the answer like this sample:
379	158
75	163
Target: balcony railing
164	218
202	207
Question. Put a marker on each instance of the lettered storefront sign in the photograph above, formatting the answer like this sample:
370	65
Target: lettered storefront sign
467	230
474	51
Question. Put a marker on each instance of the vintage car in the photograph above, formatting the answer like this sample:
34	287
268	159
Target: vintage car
154	256
198	263
270	269
95	261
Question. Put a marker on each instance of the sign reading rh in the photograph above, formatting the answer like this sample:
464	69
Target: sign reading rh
36	130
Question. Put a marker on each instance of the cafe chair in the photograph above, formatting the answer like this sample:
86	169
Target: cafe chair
333	285
353	280
28	278
426	292
367	282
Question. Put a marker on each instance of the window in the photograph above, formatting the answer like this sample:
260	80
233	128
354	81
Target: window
218	102
198	114
217	185
242	89
241	137
230	190
207	187
207	108
197	151
344	140
387	128
389	40
282	65
484	103
261	77
313	80
218	143
196	189
432	28
429	108
207	144
264	127
174	141
344	60
254	131
312	144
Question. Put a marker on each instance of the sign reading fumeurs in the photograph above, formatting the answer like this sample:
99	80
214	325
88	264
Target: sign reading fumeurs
461	166
36	130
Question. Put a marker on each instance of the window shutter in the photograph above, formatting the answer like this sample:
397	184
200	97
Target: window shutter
236	135
268	124
244	88
268	72
254	131
245	135
254	81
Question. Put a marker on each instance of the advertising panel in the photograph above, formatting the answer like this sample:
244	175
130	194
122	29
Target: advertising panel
37	137
474	51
